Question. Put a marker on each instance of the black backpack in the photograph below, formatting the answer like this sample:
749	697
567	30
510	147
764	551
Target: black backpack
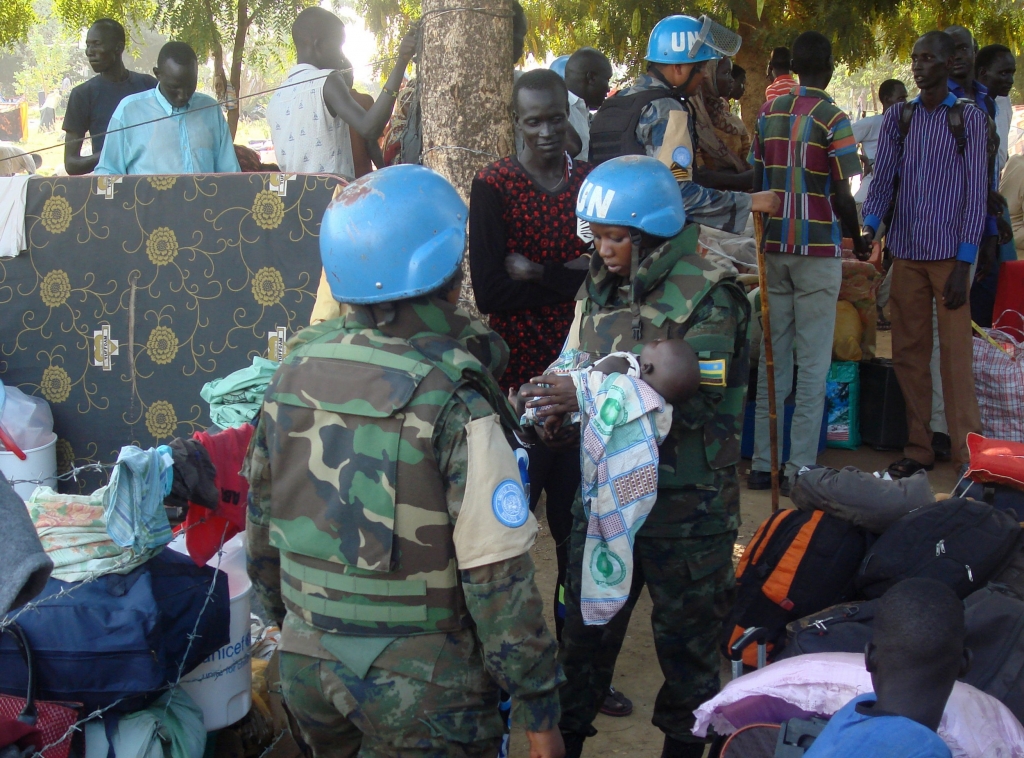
613	130
995	634
955	122
797	563
959	542
843	628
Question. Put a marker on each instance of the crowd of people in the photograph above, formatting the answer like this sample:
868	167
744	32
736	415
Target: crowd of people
390	519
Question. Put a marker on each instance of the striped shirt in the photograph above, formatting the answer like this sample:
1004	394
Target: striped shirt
941	209
805	144
781	85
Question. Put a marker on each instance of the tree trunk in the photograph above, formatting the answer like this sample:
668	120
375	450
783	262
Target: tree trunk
238	50
754	59
465	80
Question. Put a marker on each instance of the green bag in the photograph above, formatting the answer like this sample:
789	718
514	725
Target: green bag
842	398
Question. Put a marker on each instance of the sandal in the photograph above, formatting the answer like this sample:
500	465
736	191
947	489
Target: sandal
908	467
616	704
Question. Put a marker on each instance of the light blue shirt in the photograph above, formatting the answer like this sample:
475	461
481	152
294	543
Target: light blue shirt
857	732
195	140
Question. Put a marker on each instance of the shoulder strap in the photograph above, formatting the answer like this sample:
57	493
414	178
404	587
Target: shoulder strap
906	116
955	121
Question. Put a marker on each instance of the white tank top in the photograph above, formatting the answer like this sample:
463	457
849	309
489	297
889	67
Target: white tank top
307	138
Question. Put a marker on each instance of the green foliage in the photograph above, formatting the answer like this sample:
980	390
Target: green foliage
850	86
16	18
51	52
861	30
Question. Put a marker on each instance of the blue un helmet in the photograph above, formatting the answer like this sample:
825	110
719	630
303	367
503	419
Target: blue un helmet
634	191
684	39
393	234
558	65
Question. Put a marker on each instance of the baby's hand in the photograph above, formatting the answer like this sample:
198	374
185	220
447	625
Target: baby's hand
552	424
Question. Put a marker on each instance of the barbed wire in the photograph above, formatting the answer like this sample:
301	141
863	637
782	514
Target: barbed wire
67	475
170	686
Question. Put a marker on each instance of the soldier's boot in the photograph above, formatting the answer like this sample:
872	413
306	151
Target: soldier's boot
678	749
573	744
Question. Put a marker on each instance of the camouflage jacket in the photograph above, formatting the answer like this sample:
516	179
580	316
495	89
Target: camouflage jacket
650	129
328	522
677	294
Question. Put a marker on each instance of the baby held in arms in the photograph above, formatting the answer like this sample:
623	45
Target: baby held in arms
669	367
623	404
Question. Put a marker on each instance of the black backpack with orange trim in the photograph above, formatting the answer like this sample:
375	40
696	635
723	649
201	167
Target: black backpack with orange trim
797	563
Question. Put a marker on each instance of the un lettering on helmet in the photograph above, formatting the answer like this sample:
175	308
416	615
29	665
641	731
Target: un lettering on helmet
595	199
683	41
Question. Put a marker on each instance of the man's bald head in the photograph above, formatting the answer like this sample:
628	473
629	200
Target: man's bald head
318	36
587	74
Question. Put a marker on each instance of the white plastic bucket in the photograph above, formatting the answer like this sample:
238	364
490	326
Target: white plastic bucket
40	464
222	684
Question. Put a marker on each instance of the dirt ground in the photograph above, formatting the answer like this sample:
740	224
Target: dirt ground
637	673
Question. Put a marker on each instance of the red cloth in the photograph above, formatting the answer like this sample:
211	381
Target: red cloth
14	732
207	530
1007	315
997	461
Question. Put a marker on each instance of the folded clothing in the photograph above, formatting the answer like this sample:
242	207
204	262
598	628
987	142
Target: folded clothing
236	398
73	533
861	498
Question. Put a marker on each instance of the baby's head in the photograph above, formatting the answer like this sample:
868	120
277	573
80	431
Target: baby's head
671	368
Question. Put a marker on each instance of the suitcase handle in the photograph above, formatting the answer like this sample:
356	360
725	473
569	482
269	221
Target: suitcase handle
750	635
28	714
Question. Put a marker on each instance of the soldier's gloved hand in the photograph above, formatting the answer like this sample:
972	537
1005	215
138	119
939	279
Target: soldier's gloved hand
547	744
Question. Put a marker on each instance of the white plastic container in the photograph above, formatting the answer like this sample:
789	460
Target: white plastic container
222	684
40	464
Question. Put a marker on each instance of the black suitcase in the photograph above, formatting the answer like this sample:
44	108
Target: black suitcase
883	412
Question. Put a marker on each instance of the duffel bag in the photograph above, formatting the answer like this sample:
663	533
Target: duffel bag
995	634
843	628
959	542
120	639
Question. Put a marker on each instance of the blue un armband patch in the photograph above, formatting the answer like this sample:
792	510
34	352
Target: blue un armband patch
509	504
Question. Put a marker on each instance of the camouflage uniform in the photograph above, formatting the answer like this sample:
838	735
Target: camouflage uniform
718	209
684	550
650	130
358	470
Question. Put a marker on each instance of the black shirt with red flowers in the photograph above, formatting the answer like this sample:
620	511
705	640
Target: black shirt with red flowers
509	213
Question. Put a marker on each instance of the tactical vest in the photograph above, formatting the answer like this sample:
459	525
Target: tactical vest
613	129
360	513
688	457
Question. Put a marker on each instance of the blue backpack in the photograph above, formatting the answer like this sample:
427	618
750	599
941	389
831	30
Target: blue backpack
120	639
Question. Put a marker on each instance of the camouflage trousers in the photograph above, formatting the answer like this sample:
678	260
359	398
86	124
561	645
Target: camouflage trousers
691	583
391	715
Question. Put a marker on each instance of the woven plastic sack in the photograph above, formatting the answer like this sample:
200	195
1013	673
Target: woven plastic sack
842	398
999	385
847	333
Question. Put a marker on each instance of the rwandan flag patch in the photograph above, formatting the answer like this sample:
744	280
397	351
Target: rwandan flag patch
712	373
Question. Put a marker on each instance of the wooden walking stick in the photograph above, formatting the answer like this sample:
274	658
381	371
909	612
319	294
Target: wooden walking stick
769	358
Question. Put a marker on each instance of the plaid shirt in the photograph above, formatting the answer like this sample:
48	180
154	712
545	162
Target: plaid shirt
804	143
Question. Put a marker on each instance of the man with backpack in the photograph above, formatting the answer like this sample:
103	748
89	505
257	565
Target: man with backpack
932	165
648	117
